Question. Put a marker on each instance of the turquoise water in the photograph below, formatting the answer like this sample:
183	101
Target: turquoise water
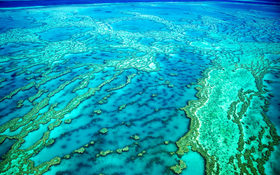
140	88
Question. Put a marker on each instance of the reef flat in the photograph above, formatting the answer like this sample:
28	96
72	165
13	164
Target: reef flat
140	88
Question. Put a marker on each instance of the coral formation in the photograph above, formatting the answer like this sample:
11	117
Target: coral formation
67	64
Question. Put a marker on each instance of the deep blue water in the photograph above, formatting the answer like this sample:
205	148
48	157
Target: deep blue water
11	3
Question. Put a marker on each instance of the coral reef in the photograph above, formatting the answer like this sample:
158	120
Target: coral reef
88	87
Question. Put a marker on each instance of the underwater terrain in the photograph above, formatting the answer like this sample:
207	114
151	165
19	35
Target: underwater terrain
152	88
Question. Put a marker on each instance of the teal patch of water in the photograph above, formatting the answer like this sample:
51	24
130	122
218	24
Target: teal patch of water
62	33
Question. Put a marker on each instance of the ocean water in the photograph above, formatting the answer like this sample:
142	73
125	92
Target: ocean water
132	88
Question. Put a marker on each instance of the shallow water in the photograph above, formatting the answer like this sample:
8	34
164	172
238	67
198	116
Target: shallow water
140	88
